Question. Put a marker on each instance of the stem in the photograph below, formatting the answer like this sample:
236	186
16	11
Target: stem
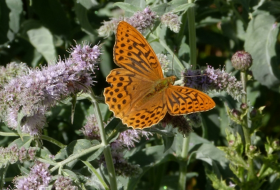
44	137
181	66
76	156
107	149
192	36
192	44
246	130
183	164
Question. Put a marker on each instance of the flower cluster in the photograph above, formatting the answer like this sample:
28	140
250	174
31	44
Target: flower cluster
12	70
164	62
140	20
64	183
35	93
91	130
38	178
210	79
108	27
172	21
13	154
126	138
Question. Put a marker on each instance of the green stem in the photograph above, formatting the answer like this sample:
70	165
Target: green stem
107	149
181	66
76	156
47	138
183	164
192	36
246	130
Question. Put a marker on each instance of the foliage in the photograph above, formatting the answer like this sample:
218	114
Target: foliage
233	146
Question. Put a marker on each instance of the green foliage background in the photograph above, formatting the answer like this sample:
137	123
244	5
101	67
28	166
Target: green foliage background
38	32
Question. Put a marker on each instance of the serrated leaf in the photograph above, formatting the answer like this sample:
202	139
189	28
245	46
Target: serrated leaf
24	142
42	40
261	43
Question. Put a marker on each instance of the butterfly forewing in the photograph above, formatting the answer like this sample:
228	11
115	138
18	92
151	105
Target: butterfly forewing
183	100
133	52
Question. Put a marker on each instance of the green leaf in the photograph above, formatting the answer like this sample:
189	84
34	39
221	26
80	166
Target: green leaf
217	183
168	141
42	40
261	43
93	170
24	142
82	17
128	7
88	4
16	9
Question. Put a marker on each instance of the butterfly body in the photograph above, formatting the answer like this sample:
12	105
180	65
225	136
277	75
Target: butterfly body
139	94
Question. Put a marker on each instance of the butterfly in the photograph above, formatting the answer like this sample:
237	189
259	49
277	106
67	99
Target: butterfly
139	94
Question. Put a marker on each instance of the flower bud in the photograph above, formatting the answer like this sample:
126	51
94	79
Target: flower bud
243	106
241	60
235	113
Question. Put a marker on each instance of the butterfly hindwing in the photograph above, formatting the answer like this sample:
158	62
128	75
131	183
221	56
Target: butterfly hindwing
126	89
133	52
184	100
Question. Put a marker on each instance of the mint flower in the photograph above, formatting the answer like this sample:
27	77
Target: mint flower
35	93
38	178
210	79
179	122
164	62
13	154
64	183
91	130
109	27
141	20
127	138
11	71
172	21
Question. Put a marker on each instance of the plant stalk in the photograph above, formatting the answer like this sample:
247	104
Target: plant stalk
183	164
246	130
107	149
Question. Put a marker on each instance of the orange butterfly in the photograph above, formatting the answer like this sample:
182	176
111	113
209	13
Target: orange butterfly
139	94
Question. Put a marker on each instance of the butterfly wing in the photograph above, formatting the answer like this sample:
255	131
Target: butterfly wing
183	100
133	52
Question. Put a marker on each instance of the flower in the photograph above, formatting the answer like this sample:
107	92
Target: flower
241	60
140	20
91	130
172	21
13	154
130	136
11	71
210	79
35	93
64	183
38	178
108	27
164	62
